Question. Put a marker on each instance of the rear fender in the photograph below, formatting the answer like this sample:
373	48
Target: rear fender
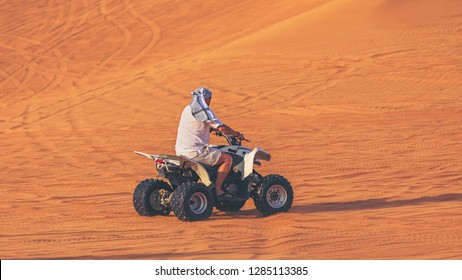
196	167
249	159
168	158
184	163
144	155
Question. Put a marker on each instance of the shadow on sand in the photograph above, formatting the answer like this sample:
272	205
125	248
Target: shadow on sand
368	204
247	213
372	204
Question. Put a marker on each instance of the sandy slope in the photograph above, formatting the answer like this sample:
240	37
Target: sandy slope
359	103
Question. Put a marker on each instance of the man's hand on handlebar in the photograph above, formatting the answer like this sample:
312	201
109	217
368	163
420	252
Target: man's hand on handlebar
241	137
216	131
229	133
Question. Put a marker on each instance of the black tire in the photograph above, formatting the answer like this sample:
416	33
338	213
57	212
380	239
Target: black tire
192	201
146	198
274	195
230	206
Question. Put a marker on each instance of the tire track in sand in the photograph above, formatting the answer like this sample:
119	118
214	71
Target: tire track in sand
48	44
153	28
126	33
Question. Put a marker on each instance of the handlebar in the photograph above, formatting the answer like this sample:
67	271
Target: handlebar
232	140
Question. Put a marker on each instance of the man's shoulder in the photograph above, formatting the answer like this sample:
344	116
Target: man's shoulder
186	108
186	113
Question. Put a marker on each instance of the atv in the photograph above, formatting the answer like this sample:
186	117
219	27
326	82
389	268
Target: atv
190	191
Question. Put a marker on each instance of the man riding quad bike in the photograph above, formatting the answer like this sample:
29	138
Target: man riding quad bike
226	174
190	191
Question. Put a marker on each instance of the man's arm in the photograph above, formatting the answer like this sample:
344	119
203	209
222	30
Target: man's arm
223	128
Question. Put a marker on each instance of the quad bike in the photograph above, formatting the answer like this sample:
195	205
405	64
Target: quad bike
190	191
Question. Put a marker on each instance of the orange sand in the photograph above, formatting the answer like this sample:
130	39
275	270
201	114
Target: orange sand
359	102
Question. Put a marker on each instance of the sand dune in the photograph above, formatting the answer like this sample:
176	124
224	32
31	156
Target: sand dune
359	103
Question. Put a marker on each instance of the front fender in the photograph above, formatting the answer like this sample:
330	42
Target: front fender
196	167
250	158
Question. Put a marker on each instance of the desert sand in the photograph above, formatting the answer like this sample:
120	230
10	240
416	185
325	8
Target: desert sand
359	103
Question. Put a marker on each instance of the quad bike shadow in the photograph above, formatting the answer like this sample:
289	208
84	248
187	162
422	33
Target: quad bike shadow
188	189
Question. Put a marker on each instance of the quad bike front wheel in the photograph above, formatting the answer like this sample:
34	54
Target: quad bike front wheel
192	201
149	196
274	195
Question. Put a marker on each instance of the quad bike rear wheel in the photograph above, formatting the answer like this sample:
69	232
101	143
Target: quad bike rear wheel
274	195
149	195
192	201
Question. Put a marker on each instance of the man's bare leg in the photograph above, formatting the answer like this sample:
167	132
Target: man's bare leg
225	163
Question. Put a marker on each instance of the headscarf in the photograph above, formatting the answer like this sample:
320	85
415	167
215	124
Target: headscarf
199	108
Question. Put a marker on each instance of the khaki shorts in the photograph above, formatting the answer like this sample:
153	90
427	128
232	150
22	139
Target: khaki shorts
209	156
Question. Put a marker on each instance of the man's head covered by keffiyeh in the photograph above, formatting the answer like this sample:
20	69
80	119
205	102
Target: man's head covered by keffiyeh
199	106
206	93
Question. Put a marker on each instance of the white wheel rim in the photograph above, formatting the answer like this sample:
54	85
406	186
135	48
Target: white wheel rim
276	196
198	203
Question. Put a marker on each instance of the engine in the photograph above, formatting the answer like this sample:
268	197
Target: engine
231	187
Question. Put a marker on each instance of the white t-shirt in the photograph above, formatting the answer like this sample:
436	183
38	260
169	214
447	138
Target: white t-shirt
193	135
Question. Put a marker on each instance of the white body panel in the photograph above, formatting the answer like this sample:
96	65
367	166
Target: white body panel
246	166
250	158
